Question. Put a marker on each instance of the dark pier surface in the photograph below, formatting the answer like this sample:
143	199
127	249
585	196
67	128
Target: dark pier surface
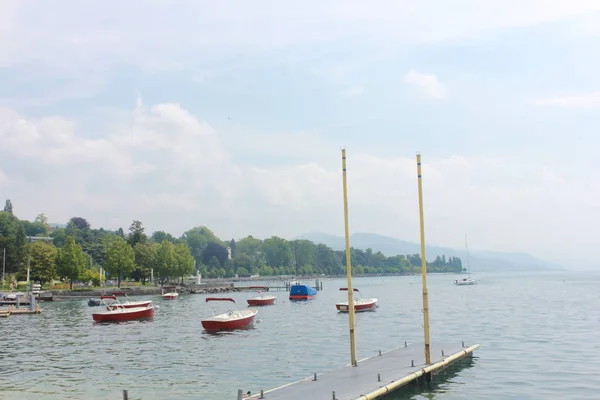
374	376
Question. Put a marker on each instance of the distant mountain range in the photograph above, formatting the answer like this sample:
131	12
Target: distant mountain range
480	261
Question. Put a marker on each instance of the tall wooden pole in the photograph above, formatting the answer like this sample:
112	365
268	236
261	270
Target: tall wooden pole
423	266
349	269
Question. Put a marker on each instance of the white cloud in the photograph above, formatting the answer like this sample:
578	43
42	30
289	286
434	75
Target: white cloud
77	35
354	91
172	171
429	84
588	100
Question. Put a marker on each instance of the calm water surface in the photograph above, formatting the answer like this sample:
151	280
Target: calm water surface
538	335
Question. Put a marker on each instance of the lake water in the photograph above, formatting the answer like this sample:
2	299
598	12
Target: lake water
538	334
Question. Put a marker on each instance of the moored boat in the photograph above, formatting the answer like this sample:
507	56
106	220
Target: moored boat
128	302
465	281
236	319
172	295
118	313
360	303
262	299
302	292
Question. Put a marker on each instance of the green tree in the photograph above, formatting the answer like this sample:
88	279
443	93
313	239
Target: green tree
327	261
71	261
243	261
59	236
184	262
265	270
198	239
120	258
136	233
36	228
80	223
12	238
164	266
304	253
159	236
90	275
8	207
214	263
145	255
214	250
277	252
249	246
42	262
229	268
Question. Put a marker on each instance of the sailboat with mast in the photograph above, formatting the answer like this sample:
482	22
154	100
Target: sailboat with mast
466	280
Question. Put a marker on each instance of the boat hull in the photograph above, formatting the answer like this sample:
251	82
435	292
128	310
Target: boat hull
465	282
359	306
225	321
302	292
170	296
302	297
121	314
261	301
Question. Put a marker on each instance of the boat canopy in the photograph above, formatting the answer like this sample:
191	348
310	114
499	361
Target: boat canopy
219	299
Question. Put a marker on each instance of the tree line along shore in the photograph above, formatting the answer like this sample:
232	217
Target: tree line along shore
76	253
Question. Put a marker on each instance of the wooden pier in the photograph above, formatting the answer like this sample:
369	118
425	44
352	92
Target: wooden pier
372	377
29	310
272	285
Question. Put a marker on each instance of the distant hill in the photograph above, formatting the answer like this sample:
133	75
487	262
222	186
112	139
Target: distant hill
479	260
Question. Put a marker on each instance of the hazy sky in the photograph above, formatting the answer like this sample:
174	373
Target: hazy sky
231	114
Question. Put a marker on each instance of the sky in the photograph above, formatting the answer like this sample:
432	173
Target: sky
233	114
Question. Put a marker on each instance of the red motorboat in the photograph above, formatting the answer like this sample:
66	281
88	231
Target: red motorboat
127	304
229	320
360	303
172	295
261	299
118	313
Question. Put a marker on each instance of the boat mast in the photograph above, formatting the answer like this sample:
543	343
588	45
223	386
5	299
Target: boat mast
423	266
349	269
467	250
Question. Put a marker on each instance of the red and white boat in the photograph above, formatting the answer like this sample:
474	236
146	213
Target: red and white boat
172	295
111	301
117	313
237	319
360	303
261	299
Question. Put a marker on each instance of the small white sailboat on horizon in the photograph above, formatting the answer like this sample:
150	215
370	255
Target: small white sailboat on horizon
466	280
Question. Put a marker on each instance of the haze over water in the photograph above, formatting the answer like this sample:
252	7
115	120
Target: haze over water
533	329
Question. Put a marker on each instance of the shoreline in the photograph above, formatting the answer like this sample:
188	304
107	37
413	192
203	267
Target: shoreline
208	286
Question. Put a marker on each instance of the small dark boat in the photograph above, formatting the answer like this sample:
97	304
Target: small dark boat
94	302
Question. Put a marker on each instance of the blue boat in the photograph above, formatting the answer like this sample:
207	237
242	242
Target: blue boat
302	292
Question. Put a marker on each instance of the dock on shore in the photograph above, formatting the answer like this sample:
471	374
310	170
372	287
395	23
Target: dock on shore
372	377
29	310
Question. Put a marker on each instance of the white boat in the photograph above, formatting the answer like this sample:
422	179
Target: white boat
466	280
360	303
262	299
173	295
236	319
